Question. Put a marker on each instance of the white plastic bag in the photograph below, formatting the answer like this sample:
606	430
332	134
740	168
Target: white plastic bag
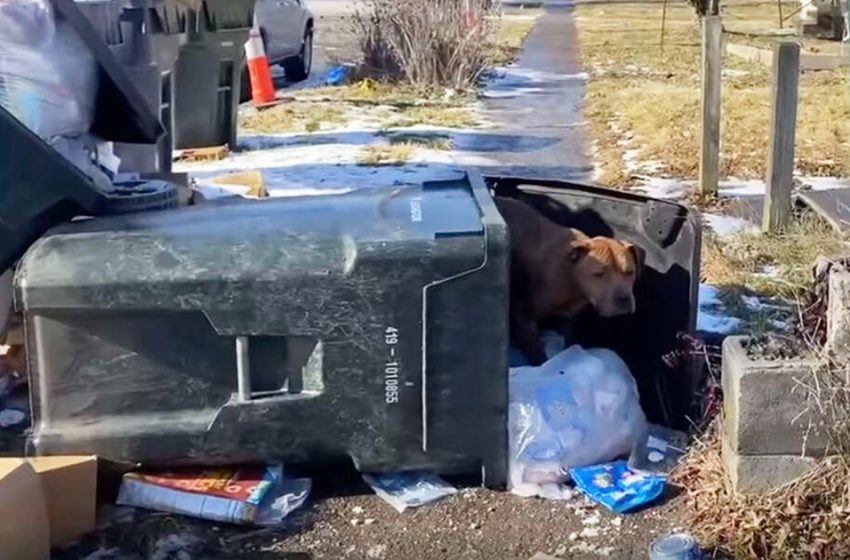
48	77
579	408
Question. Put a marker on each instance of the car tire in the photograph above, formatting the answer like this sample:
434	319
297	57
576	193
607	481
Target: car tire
139	196
298	68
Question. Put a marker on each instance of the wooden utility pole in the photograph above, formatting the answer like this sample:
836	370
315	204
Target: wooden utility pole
783	121
709	161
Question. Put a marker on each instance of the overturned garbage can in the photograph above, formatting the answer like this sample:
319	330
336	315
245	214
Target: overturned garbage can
209	74
370	325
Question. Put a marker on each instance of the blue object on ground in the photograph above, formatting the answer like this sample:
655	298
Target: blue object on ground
337	75
617	487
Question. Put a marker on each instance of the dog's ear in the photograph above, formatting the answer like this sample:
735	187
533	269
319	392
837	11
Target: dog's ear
639	255
578	250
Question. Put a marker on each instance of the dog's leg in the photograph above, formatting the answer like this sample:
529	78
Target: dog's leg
527	337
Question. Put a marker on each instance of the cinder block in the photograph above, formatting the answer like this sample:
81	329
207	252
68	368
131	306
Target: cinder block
761	473
765	405
838	311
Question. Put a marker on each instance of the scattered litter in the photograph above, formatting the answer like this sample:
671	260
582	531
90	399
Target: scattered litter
176	547
678	546
617	487
659	450
409	489
338	75
213	153
244	495
579	408
357	510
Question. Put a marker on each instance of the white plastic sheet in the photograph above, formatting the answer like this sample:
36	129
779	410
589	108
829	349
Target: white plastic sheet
579	408
48	77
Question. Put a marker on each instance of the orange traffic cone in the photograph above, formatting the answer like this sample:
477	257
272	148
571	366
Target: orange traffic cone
262	87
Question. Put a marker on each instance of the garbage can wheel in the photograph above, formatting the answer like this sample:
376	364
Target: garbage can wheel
298	68
140	196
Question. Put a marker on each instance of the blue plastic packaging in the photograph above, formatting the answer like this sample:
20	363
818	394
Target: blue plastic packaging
617	487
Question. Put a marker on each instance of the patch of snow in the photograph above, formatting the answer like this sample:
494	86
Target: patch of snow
825	183
728	225
711	317
513	81
291	167
741	187
659	187
769	271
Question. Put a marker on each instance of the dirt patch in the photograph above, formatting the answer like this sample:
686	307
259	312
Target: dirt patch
475	523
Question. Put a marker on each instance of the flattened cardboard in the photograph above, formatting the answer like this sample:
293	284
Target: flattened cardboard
69	484
24	523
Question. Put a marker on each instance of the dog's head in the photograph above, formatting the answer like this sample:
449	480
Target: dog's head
605	270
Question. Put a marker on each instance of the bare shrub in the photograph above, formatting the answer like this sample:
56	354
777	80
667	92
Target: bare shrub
442	43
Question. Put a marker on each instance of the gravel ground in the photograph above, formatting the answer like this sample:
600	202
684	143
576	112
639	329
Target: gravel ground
345	520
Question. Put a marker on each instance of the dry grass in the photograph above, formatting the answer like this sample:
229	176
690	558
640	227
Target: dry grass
448	117
509	34
387	154
737	261
427	141
639	90
292	117
805	519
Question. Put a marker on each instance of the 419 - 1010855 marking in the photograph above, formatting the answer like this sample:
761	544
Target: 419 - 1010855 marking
391	367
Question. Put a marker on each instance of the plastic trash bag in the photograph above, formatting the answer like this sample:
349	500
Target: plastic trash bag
48	76
409	489
579	408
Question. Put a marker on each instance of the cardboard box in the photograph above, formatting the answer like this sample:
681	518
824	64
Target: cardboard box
70	491
24	524
44	502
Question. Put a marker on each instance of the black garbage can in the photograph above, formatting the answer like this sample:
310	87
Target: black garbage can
209	74
370	326
148	54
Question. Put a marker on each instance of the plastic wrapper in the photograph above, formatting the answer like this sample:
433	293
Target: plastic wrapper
409	489
579	408
242	495
617	487
48	77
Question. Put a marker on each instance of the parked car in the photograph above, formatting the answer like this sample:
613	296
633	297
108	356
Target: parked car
287	30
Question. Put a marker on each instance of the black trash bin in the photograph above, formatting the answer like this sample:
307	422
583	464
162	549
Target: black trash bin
371	325
209	74
144	36
149	55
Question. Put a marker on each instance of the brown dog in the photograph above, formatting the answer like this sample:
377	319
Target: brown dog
558	272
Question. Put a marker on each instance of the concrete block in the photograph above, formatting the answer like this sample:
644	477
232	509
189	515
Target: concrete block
838	311
761	473
764	405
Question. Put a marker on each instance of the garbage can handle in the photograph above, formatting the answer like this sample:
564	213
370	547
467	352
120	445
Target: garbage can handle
243	369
